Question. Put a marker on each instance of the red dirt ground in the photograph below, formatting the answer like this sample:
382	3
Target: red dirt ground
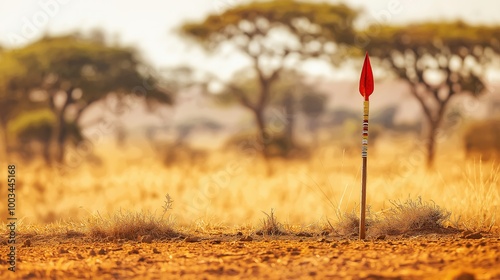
431	256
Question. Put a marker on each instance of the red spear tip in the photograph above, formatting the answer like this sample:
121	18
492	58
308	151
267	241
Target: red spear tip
366	80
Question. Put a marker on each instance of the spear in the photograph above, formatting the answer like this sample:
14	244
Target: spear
366	89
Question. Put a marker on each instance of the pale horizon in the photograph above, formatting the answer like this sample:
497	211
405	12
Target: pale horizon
150	26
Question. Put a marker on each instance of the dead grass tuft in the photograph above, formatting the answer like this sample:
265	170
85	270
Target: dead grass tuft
131	225
402	217
348	223
271	226
411	215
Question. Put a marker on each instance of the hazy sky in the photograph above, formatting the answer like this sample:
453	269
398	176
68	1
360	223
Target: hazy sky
149	24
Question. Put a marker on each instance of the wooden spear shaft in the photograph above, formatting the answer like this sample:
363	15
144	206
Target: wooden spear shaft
366	87
364	155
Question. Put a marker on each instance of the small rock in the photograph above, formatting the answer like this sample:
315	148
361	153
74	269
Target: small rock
239	233
192	239
27	243
141	259
156	251
79	256
102	251
476	235
216	241
133	251
381	237
304	234
464	276
246	238
147	239
325	233
92	253
63	251
465	233
312	273
295	252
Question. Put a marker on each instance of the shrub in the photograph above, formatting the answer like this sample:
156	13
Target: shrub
348	223
411	215
271	226
483	139
131	225
33	125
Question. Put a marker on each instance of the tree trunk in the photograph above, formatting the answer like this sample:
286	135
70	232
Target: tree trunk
46	153
261	126
434	125
60	137
431	144
313	129
61	128
290	124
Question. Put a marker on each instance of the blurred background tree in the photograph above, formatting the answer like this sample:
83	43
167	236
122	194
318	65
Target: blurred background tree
69	73
438	60
273	36
11	72
46	86
292	95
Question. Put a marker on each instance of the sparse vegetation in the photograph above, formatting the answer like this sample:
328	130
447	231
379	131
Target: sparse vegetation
226	190
482	139
482	199
133	225
348	224
412	215
271	225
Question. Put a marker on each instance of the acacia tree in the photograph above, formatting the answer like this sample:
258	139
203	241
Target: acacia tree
292	93
296	93
10	73
273	35
13	95
438	61
73	72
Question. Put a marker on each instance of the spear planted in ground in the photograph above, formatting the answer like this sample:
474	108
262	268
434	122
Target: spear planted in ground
366	89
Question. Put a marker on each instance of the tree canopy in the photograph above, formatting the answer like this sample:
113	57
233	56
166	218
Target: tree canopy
80	70
60	63
314	25
439	60
274	36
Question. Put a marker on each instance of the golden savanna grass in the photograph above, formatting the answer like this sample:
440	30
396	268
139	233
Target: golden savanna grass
234	188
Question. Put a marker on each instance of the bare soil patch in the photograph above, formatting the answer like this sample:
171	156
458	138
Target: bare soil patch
300	256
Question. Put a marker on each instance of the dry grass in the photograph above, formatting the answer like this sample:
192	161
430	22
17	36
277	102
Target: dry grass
229	189
481	204
133	225
271	225
348	223
412	215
